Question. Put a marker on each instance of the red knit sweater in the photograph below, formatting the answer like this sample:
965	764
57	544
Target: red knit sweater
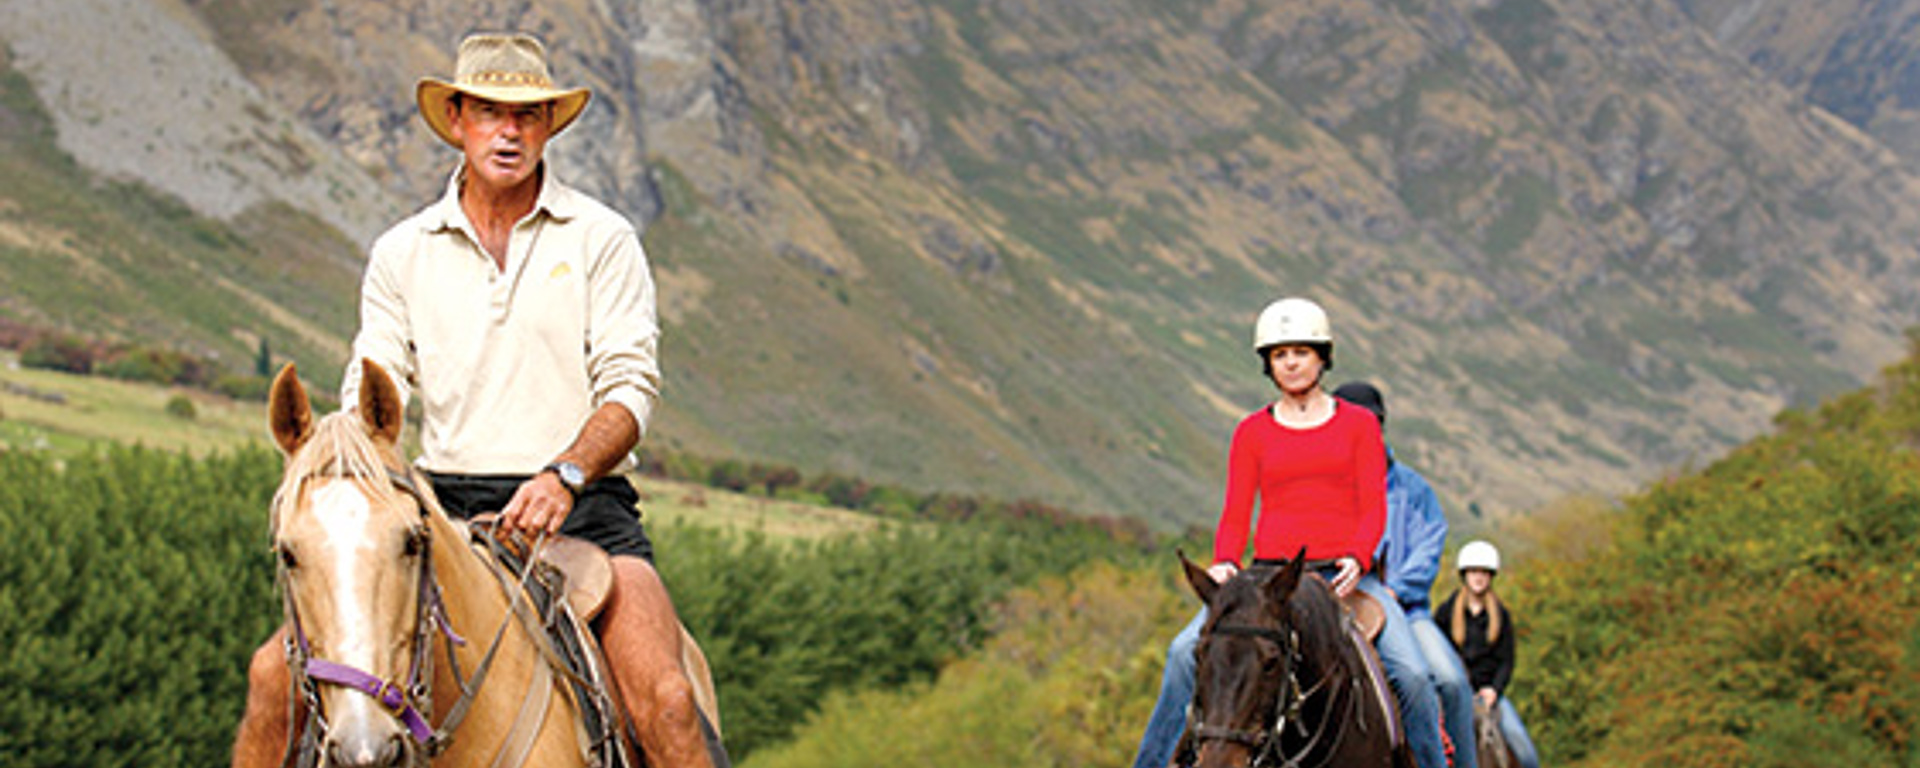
1324	488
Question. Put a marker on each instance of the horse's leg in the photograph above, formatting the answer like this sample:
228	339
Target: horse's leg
640	634
261	739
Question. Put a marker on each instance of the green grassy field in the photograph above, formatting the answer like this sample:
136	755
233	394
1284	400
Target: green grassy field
65	414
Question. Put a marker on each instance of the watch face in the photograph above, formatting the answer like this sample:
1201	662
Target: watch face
570	474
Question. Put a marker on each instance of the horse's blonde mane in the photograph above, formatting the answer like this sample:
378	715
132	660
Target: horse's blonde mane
339	448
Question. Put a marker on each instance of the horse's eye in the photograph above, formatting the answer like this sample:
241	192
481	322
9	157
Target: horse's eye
416	542
285	554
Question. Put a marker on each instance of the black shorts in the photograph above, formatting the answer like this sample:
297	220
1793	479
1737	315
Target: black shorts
607	512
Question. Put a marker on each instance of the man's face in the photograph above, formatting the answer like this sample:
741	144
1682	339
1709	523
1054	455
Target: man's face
503	142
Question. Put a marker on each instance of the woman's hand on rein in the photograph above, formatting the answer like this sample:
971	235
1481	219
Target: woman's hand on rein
1348	577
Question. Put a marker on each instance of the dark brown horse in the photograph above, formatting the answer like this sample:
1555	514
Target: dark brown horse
1278	681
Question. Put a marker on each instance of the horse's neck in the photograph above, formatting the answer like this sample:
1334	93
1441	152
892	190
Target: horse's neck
468	588
481	612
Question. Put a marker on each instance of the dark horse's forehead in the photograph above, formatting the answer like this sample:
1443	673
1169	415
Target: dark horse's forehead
1243	596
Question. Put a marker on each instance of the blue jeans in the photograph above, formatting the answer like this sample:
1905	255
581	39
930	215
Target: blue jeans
1169	717
1516	733
1399	654
1451	684
1412	683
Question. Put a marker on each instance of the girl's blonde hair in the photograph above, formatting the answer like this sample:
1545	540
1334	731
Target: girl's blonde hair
1459	625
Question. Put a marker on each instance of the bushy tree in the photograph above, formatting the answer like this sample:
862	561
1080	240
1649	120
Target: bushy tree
133	587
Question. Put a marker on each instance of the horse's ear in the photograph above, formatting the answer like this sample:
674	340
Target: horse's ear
1279	587
289	415
1197	577
380	405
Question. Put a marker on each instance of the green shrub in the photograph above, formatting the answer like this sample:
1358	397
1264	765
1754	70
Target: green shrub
180	407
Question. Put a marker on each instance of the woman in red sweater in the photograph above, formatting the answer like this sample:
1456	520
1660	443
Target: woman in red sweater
1319	470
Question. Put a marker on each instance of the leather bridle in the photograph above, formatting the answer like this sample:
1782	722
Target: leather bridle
1286	709
408	700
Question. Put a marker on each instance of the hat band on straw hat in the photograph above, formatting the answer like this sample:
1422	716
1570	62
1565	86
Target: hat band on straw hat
523	79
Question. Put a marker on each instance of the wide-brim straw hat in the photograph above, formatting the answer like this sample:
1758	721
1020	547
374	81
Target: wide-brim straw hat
510	69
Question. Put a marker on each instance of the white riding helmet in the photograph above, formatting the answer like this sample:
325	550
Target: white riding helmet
1291	321
1478	554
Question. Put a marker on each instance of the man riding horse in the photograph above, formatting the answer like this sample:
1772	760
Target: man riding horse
522	313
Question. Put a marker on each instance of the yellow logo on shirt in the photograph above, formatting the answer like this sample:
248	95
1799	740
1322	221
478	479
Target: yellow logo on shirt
560	270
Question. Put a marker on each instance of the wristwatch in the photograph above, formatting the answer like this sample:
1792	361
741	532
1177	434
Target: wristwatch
570	474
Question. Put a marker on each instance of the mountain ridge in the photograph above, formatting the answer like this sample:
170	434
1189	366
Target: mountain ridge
1016	247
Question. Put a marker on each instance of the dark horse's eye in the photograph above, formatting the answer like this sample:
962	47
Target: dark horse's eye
285	554
416	542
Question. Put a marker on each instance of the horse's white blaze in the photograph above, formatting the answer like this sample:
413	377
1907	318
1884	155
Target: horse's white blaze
344	518
348	544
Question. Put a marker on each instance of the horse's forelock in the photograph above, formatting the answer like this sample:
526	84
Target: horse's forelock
340	447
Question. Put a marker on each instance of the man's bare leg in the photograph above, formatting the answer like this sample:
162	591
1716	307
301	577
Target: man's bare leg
261	740
640	633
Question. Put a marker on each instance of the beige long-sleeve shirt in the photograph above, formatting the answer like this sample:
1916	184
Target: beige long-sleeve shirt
509	363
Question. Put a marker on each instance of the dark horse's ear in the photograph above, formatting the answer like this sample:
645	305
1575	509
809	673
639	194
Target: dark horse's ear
1279	587
289	415
1203	584
380	405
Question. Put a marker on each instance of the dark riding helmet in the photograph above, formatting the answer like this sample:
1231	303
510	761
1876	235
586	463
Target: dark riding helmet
1362	394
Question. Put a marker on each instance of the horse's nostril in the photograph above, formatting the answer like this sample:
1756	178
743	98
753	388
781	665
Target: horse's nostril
396	751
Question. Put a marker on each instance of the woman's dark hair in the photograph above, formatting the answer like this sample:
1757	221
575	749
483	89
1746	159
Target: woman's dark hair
1322	348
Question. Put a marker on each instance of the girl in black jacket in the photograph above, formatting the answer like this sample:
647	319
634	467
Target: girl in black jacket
1482	631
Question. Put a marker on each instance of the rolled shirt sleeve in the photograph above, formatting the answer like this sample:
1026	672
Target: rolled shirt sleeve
623	334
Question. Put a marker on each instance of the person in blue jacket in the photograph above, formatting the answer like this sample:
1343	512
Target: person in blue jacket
1410	551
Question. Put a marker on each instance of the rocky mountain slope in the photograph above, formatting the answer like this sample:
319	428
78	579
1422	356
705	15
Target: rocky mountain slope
1017	246
1859	60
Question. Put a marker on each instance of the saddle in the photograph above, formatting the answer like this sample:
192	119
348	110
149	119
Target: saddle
1365	619
585	569
1366	613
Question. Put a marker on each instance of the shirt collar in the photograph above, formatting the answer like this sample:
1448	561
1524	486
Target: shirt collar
556	201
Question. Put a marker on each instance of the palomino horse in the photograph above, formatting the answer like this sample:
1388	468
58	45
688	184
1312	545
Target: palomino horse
379	585
1489	743
1279	680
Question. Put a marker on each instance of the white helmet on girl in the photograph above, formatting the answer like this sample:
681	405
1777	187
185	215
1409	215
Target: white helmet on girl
1291	321
1478	554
